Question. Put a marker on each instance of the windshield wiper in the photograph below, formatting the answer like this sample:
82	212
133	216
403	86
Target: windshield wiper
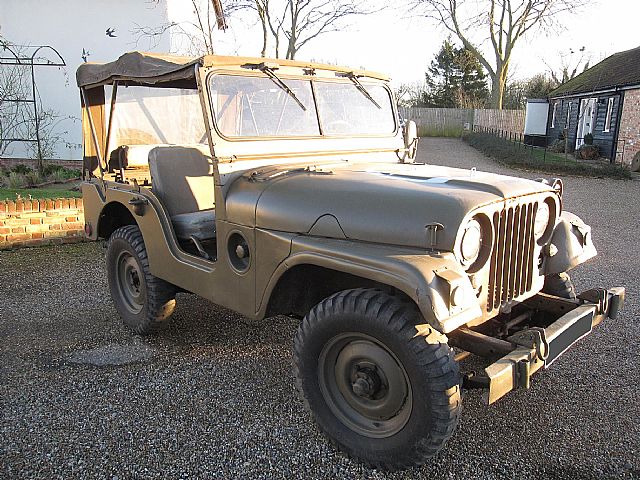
268	71
354	79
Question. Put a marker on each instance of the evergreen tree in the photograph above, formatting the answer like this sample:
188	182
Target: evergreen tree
455	80
517	92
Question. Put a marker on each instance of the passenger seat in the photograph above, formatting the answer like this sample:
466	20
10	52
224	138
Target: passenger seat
182	178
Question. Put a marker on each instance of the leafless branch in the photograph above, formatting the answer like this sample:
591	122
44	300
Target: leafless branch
506	21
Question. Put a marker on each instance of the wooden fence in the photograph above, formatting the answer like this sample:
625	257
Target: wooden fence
452	120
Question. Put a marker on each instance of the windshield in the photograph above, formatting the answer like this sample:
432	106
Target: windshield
255	107
345	110
246	106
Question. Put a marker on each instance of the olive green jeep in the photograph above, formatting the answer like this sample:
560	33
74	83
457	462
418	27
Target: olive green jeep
280	187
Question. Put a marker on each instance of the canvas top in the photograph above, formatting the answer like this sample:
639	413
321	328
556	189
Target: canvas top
144	68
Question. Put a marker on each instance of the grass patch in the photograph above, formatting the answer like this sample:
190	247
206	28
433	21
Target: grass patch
521	156
439	131
37	193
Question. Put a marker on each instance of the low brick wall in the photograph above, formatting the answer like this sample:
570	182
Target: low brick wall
26	223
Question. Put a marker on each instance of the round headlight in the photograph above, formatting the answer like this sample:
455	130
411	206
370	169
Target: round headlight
471	242
542	220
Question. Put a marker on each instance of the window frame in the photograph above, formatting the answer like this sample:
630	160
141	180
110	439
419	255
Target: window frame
315	81
607	118
553	114
312	81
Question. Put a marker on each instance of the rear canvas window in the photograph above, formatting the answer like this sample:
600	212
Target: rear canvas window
148	116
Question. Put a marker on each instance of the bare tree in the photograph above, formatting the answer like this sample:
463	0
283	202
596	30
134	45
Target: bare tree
271	24
292	24
197	35
13	91
410	94
18	123
572	63
505	22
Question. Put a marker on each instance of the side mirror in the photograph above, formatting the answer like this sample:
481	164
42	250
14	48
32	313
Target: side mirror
410	133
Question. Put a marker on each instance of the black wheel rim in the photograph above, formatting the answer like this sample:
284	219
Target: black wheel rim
364	385
129	281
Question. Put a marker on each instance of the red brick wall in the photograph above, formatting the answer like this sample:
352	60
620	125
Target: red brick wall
630	125
29	162
25	223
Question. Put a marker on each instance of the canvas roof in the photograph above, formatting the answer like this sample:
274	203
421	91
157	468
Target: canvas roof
621	69
141	67
153	68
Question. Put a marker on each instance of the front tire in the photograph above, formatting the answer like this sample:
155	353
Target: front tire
143	301
379	392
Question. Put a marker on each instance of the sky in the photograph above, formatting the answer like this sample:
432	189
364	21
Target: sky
402	46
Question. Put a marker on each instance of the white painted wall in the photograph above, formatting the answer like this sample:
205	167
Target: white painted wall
70	26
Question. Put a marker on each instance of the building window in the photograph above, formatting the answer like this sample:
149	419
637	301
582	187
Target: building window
607	120
566	125
553	115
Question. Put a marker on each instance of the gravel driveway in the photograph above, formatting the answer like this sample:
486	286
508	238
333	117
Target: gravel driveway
214	396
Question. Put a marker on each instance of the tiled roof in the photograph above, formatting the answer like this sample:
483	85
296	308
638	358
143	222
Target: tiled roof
619	70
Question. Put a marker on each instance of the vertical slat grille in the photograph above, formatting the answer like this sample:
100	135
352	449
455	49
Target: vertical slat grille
511	268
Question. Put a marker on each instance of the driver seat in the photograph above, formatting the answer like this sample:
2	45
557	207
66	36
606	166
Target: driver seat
182	178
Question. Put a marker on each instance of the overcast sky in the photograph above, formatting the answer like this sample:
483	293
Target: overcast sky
404	47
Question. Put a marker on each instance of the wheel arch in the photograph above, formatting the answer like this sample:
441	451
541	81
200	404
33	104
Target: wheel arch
113	216
299	288
342	265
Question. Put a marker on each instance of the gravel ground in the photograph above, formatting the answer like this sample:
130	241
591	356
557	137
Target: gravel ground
214	396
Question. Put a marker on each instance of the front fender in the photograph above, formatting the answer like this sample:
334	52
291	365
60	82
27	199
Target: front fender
429	279
571	245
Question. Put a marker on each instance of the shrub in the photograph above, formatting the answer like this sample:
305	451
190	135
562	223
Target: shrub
32	178
16	180
21	169
58	173
51	168
58	176
588	152
69	173
588	139
4	180
508	153
557	146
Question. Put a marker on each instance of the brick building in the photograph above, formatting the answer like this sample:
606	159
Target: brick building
603	101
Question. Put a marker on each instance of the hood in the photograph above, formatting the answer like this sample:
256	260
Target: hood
381	203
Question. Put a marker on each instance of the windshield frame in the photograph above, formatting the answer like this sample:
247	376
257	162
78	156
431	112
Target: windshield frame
312	79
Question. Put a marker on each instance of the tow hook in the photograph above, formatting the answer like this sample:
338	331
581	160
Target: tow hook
532	338
597	296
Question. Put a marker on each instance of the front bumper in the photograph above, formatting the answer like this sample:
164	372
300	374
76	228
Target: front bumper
539	347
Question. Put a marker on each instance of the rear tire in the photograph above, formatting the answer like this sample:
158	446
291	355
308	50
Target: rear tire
560	285
379	393
143	301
